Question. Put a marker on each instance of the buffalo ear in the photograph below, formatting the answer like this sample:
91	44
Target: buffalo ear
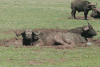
18	33
86	28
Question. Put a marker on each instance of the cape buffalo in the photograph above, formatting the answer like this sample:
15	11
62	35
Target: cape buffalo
43	38
72	36
27	36
95	13
85	31
81	6
68	39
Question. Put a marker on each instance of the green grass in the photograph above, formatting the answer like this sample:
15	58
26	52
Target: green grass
52	14
29	57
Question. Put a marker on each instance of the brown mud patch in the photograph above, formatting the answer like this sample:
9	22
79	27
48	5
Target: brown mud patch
18	41
14	41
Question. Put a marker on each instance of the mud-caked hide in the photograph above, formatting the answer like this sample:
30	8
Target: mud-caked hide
85	31
95	13
27	35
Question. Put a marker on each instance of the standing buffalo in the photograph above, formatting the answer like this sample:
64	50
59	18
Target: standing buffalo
95	13
81	6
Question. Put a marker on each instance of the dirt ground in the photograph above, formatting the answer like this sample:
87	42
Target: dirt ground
18	41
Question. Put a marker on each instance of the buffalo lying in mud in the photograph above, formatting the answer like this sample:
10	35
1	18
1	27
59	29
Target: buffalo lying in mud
95	13
68	39
81	6
42	38
85	31
27	36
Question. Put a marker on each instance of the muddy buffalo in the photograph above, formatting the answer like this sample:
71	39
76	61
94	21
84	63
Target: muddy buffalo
42	38
68	39
72	36
95	13
27	36
81	6
85	31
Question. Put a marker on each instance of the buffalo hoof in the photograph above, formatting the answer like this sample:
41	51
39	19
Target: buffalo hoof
73	17
85	19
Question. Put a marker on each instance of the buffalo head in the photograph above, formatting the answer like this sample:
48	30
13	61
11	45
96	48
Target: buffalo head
88	31
91	6
85	31
27	34
95	13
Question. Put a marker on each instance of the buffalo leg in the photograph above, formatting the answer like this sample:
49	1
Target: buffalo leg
59	40
74	12
85	14
69	41
40	44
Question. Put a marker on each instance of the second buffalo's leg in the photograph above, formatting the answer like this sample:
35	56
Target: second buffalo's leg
40	44
59	40
73	13
69	41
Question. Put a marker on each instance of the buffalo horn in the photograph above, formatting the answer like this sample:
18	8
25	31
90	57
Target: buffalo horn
37	33
91	4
